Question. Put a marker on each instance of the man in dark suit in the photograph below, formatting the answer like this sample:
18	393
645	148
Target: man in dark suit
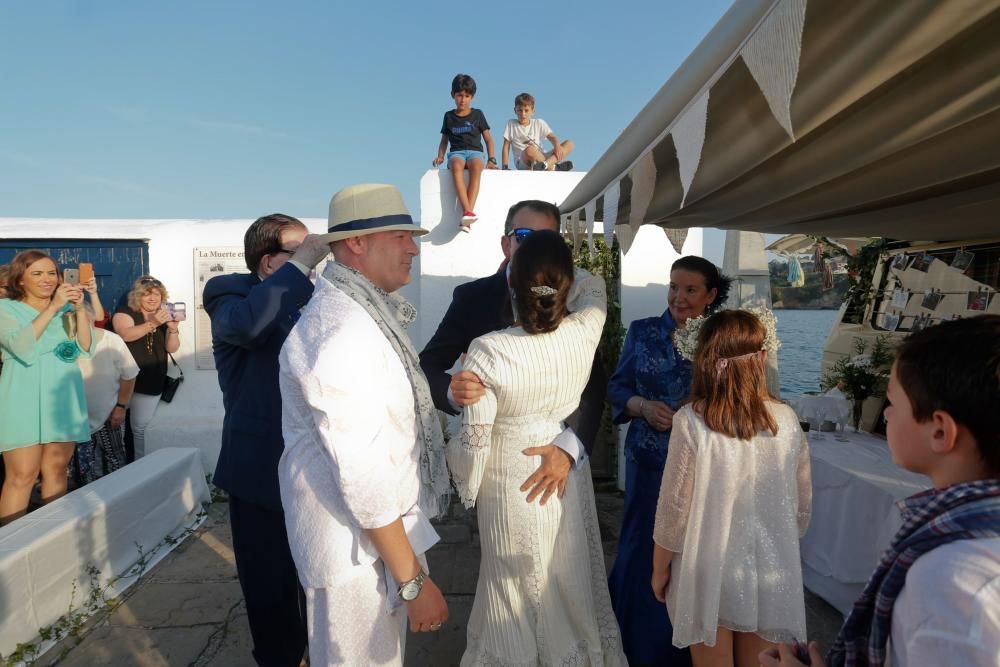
251	316
481	306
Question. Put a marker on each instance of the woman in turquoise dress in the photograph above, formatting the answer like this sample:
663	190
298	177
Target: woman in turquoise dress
43	412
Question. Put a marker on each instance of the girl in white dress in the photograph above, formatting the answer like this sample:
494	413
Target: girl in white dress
542	596
735	499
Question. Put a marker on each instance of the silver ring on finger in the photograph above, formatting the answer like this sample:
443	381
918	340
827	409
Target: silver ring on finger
435	626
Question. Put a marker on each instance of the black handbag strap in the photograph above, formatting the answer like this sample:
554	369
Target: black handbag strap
176	365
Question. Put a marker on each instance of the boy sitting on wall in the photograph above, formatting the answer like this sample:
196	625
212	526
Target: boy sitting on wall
524	135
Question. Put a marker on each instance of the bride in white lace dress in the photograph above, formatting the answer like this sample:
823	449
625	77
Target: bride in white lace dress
542	596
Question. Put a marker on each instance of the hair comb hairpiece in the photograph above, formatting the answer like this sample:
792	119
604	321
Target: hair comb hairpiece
723	363
543	290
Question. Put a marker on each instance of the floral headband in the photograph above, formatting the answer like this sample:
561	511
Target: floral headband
686	339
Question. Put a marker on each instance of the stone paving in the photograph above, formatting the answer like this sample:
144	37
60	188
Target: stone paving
188	610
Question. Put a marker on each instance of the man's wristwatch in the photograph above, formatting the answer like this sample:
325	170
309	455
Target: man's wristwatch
119	405
411	589
492	159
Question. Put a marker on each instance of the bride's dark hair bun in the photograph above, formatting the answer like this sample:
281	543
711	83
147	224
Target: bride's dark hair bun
543	260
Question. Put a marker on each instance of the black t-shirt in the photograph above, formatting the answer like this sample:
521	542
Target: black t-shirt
150	354
465	132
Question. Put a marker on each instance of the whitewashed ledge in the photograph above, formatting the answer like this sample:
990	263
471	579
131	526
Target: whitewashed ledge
104	524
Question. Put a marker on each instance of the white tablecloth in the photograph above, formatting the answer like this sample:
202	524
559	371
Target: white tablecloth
44	556
817	409
855	489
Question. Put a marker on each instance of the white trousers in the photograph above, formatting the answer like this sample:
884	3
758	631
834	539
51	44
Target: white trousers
350	624
142	407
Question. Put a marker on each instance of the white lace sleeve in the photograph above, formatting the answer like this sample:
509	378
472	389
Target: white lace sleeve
468	452
804	479
674	504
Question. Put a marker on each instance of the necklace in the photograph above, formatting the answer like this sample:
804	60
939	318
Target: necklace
149	339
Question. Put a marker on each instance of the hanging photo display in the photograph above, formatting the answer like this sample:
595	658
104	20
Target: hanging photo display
978	300
900	297
890	321
922	262
900	261
963	260
920	322
931	299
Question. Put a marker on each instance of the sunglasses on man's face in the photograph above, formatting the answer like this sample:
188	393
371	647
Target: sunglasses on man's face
521	233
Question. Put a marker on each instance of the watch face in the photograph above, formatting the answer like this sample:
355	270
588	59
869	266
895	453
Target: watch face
409	591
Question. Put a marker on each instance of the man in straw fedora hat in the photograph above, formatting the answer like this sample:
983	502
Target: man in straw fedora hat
364	464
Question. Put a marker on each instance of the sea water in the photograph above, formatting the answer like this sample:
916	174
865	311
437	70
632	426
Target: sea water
802	334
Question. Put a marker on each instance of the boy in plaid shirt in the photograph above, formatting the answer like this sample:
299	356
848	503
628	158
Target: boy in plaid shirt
934	598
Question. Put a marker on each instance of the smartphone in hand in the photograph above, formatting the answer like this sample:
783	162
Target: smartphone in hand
178	311
71	276
86	272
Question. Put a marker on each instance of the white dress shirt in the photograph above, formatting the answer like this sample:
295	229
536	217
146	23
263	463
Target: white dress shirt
948	612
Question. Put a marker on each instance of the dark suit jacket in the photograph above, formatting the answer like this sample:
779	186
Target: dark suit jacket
250	321
479	307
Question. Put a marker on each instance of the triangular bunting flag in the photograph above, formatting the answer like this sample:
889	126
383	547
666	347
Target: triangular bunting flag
643	186
590	210
676	238
772	55
689	138
610	213
625	235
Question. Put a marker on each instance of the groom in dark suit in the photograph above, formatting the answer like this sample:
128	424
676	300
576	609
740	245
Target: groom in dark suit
251	316
481	306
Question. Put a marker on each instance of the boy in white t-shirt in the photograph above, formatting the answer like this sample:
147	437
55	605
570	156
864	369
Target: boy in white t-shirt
524	135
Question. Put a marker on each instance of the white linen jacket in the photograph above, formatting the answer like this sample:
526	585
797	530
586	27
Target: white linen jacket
351	449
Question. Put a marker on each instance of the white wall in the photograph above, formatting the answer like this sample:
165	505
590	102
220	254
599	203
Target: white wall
646	271
448	258
194	418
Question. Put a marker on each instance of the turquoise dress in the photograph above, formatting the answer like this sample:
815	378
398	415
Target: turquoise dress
41	389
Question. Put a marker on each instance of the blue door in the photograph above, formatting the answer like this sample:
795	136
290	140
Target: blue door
117	263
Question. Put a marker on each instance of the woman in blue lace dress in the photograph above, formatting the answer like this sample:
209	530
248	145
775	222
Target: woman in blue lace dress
651	382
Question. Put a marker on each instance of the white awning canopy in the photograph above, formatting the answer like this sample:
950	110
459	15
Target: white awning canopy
822	117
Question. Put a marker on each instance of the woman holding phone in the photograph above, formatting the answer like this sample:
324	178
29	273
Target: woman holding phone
151	333
43	329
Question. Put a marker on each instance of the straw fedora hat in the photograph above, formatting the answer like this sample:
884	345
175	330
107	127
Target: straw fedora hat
366	209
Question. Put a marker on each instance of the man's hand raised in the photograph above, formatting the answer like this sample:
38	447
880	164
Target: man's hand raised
312	251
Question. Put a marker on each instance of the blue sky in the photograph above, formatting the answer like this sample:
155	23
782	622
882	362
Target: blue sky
222	109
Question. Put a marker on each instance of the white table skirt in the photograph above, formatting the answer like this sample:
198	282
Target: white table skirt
854	516
104	524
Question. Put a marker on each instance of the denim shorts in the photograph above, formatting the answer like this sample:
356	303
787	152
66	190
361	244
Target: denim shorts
468	156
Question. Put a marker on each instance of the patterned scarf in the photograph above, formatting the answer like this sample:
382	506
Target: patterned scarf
930	519
393	314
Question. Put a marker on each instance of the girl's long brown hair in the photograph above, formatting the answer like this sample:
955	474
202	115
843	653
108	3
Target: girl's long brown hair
733	402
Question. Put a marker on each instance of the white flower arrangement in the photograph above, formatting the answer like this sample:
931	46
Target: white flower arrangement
686	339
861	361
